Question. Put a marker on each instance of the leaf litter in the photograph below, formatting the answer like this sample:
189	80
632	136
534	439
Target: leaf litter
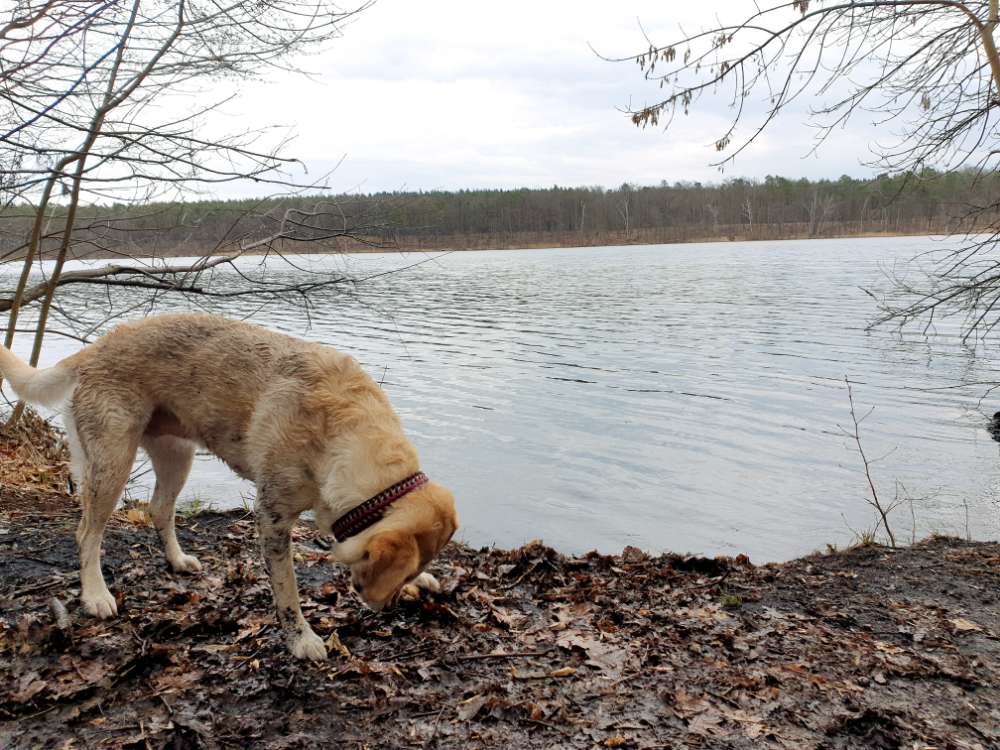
523	648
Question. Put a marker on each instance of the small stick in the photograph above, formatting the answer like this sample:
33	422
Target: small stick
710	582
170	711
65	578
723	698
508	655
539	722
434	731
525	574
59	615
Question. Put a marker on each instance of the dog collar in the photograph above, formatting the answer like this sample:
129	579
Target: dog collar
371	510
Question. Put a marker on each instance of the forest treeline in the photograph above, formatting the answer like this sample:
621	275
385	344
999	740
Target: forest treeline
772	208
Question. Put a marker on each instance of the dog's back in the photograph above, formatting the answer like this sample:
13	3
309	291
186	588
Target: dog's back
226	384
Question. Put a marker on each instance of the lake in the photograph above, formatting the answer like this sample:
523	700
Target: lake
687	398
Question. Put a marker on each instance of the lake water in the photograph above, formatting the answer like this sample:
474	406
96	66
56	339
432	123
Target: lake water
685	398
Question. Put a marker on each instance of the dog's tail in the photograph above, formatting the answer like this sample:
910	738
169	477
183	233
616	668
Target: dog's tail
48	387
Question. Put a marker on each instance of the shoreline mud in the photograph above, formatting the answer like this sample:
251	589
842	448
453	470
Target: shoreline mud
863	648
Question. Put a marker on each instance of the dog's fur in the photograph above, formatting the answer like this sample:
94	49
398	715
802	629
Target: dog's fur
303	421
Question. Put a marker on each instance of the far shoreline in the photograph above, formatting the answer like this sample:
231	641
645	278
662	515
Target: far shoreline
525	241
633	243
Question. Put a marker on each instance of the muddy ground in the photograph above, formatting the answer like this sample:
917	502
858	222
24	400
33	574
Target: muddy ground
868	648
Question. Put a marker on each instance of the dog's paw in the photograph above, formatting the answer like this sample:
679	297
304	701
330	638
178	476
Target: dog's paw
308	645
427	582
186	564
409	593
100	604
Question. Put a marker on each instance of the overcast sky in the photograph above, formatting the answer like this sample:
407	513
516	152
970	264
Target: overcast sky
451	94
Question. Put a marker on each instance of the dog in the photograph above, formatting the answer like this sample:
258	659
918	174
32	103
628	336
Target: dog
303	421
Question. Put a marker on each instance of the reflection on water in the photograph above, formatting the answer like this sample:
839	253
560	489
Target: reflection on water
679	398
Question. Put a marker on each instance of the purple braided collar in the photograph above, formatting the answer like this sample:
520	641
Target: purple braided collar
371	510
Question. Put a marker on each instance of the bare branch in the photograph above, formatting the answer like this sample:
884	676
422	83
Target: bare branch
882	511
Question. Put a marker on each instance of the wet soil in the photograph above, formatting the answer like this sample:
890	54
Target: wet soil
867	648
528	648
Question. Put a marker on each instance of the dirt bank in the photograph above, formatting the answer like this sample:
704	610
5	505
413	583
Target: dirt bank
526	648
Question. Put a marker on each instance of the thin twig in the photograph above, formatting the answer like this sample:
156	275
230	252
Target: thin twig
509	655
874	502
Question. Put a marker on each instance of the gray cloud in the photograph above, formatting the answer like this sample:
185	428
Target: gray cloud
445	95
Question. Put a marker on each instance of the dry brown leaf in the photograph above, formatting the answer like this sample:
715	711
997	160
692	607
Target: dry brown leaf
176	680
753	726
961	625
604	656
567	613
333	643
687	705
212	648
710	613
28	688
563	672
706	723
507	618
138	516
888	648
467	709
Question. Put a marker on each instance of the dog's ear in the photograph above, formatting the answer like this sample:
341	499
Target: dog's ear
390	558
384	549
431	540
439	526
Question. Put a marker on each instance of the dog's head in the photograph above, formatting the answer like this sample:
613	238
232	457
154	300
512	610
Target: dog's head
399	547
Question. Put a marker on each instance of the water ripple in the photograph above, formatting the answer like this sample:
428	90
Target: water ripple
688	397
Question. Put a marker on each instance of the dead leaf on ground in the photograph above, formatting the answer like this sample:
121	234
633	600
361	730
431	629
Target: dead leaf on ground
28	687
609	658
707	724
138	516
563	672
686	704
467	709
961	625
333	643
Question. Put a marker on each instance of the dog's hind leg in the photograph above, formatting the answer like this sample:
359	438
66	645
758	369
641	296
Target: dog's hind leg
171	458
77	455
109	460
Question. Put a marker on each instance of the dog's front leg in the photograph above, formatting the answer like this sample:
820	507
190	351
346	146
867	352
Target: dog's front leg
275	529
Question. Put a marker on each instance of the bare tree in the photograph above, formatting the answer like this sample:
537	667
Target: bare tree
96	106
748	212
927	68
623	207
818	209
713	211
